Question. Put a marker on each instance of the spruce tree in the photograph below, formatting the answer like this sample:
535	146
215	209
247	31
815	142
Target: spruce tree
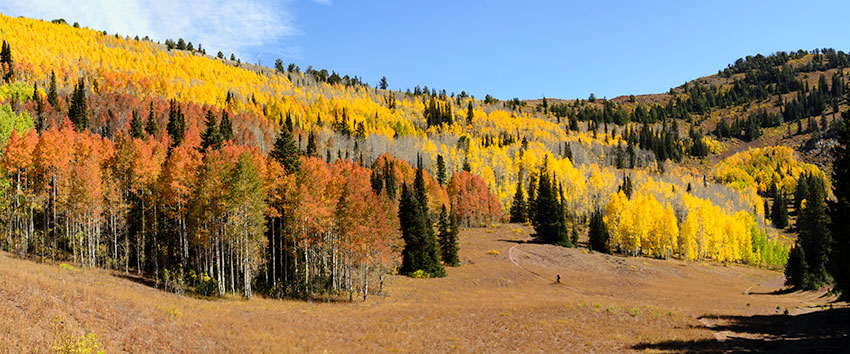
78	111
598	233
574	236
531	198
389	180
312	150
441	170
136	129
470	113
815	235
796	269
225	128
546	220
779	212
176	123
518	204
210	138
448	237
563	236
840	259
52	95
285	151
420	250
6	60
150	126
801	192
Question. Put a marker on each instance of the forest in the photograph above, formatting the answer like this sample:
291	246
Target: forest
219	176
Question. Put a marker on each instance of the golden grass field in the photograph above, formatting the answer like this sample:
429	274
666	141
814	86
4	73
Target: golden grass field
502	299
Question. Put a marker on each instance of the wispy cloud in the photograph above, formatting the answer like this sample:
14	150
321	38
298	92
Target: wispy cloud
230	26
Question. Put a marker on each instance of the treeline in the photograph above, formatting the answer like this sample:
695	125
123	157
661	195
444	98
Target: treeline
819	257
211	214
808	102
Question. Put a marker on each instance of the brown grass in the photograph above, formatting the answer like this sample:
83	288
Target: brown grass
603	304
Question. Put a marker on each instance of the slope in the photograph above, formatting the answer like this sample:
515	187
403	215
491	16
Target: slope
604	304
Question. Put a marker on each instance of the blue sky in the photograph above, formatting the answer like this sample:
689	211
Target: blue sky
525	49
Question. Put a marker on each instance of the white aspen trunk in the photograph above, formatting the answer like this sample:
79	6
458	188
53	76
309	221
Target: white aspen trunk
365	281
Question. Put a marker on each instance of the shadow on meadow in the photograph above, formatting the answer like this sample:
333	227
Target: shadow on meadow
826	331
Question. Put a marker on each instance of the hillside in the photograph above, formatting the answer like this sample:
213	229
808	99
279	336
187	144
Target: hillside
157	178
604	303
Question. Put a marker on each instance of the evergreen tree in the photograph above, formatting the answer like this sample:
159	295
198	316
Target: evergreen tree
574	236
136	129
176	123
420	250
796	270
285	151
518	204
6	60
52	95
779	212
312	150
383	84
441	170
546	220
563	236
531	198
225	127
210	138
814	235
389	180
598	233
78	111
840	259
448	232
150	126
470	113
801	192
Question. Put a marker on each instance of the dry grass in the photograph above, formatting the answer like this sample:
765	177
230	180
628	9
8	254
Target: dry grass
604	304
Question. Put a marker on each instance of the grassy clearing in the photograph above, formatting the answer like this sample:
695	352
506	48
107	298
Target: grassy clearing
604	303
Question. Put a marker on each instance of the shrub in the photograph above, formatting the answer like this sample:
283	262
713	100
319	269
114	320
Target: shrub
207	286
419	274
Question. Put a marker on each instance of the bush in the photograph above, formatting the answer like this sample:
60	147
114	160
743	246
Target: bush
207	286
419	274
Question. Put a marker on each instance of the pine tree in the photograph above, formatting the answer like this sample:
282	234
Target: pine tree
448	237
225	128
547	222
518	204
285	151
150	126
420	250
312	150
563	236
815	235
52	95
779	212
6	60
796	270
383	84
574	236
78	111
210	138
389	180
136	129
176	123
441	170
840	258
598	233
531	198
801	192
470	113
